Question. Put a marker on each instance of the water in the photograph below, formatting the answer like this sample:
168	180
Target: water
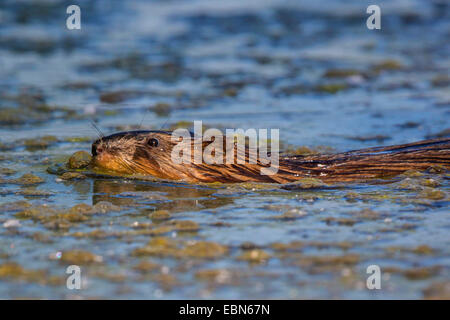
233	64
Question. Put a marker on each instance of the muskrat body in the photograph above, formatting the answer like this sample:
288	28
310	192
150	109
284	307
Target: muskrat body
149	153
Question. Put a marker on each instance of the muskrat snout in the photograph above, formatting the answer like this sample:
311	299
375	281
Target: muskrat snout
96	148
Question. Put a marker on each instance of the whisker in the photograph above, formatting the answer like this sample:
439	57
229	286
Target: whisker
143	117
97	129
165	122
125	164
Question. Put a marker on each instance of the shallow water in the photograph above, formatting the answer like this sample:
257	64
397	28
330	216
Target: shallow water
233	64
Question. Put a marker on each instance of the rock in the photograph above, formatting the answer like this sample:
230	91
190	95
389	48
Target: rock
79	160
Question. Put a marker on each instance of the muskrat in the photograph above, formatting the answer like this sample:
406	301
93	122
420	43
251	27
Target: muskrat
149	153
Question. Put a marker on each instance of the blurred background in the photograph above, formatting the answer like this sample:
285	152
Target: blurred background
310	68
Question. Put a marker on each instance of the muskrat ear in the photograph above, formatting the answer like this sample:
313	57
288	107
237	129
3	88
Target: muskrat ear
153	142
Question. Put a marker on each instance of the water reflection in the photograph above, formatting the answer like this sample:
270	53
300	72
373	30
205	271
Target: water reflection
175	198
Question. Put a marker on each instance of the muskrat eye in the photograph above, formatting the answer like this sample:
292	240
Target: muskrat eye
153	142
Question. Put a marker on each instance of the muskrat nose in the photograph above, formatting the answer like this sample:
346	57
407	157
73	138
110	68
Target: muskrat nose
96	149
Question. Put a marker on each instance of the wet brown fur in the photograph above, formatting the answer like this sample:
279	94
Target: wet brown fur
129	153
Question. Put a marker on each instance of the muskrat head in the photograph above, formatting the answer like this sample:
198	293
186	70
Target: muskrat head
165	155
145	152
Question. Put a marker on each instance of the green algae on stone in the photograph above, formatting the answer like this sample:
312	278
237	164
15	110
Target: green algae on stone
367	214
161	109
441	80
181	125
184	225
419	250
421	273
57	169
205	250
432	183
436	169
306	151
439	290
16	116
339	221
165	281
388	64
69	216
52	218
165	247
158	231
103	273
305	183
94	234
6	147
160	215
330	262
158	246
342	245
39	143
72	176
34	212
423	250
432	194
117	96
220	276
230	92
28	178
370	196
41	237
294	89
295	245
7	171
78	139
147	266
331	87
33	192
408	184
341	73
105	207
254	256
15	206
412	174
291	214
81	208
80	257
101	207
79	160
14	271
220	224
248	245
246	187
